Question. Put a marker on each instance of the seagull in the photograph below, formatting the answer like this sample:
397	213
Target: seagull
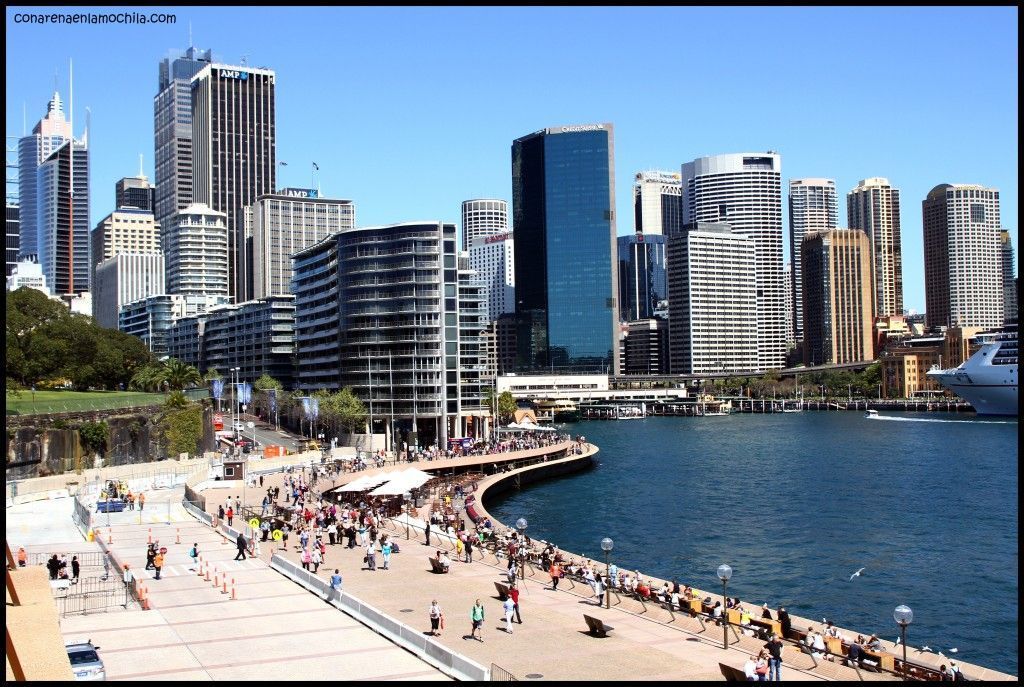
942	654
924	648
953	650
897	641
857	574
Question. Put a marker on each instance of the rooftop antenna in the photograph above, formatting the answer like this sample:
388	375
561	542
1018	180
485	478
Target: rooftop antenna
245	59
190	33
88	120
141	173
24	119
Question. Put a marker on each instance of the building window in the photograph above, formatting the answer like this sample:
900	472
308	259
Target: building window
977	213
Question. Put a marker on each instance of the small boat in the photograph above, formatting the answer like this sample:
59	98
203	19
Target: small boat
871	413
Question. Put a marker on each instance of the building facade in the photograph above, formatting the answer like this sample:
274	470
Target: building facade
12	216
645	347
172	132
62	200
657	203
151	318
483	217
125	230
134	192
377	309
196	251
744	190
643	284
963	272
812	207
563	202
27	273
234	154
837	293
1009	276
49	134
258	337
713	296
493	258
874	207
124	278
286	222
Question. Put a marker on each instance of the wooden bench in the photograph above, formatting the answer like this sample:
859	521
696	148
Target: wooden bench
502	590
435	566
732	674
597	627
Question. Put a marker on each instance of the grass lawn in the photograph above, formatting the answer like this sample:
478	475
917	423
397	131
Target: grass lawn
29	403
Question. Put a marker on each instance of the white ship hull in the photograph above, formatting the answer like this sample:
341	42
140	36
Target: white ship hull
988	379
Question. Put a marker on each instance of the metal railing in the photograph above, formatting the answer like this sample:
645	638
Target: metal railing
87	559
499	674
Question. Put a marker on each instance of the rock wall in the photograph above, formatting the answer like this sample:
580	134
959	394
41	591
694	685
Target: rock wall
37	448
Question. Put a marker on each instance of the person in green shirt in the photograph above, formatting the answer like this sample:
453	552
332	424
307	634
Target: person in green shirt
477	616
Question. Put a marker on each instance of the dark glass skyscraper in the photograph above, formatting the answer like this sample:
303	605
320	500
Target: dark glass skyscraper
643	284
563	200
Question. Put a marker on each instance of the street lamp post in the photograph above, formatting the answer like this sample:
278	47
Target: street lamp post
521	526
724	573
606	546
234	406
903	617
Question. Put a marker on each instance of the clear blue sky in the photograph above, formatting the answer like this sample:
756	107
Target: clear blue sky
410	111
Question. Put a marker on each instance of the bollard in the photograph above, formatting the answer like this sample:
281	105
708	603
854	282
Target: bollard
177	535
225	589
110	536
233	597
149	539
207	573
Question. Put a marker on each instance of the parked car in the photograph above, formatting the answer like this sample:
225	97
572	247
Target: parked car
86	663
110	506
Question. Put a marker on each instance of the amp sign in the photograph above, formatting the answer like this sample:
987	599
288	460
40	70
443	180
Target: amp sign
234	74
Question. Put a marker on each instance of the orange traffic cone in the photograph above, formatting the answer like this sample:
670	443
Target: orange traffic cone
233	597
225	589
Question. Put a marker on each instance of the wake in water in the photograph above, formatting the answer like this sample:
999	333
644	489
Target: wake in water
932	419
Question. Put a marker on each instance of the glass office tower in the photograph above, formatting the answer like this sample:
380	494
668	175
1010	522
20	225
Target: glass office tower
563	198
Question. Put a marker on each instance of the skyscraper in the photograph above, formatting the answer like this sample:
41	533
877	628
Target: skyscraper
874	207
563	208
122	279
812	207
483	217
744	190
643	286
657	203
134	192
963	275
13	235
837	295
286	222
50	133
234	160
197	252
493	259
172	132
1009	277
62	201
125	230
713	296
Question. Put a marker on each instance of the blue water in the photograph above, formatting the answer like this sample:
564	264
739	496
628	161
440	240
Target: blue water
795	503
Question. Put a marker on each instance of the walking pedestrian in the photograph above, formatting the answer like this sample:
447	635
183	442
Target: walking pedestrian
435	618
106	568
556	574
284	537
476	614
513	593
23	557
371	557
385	551
142	500
336	583
230	514
150	555
76	568
469	549
261	481
774	647
194	555
509	606
158	562
427	530
53	565
240	543
130	499
316	558
306	557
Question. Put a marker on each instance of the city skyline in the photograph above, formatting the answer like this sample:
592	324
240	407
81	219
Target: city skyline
459	149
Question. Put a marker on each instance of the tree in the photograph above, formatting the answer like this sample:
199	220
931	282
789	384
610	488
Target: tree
211	375
179	375
507	407
261	399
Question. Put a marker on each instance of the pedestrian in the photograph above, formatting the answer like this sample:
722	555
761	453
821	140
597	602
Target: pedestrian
240	543
385	550
194	555
220	512
306	557
427	530
261	481
130	498
142	500
774	647
435	618
76	568
332	532
265	529
158	562
509	606
336	583
284	537
106	568
371	557
53	565
469	549
476	614
231	514
556	574
23	557
150	555
316	558
513	592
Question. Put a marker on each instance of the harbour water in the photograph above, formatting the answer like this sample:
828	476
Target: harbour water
926	503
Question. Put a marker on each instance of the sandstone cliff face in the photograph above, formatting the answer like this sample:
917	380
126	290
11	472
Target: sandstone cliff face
42	445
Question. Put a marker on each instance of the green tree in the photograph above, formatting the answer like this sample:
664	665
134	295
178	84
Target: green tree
507	407
212	374
182	429
94	436
261	397
179	375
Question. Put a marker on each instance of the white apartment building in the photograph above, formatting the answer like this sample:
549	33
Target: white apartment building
493	259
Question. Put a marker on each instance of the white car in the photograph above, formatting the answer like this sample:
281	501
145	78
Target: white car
85	662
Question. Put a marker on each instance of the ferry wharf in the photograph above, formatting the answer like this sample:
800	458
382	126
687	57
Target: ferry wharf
647	642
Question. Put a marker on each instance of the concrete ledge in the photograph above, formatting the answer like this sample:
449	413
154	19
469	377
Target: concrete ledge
34	628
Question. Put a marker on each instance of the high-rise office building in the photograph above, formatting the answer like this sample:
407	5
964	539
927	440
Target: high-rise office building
134	192
286	222
812	207
151	318
196	252
11	211
126	230
172	132
50	133
744	190
122	279
643	285
874	207
256	336
1009	277
234	159
483	217
963	275
27	273
837	293
713	295
657	203
62	201
493	259
563	208
645	347
787	274
378	309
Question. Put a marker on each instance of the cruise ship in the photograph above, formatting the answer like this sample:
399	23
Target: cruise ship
988	379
